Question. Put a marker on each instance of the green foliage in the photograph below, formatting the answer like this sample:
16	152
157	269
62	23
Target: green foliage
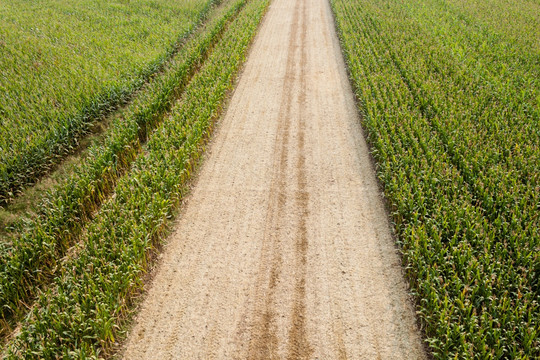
36	255
64	64
450	100
80	316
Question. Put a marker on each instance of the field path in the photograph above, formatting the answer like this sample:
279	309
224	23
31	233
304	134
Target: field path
283	250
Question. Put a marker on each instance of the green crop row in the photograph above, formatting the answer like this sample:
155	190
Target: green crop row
64	64
33	258
80	316
451	108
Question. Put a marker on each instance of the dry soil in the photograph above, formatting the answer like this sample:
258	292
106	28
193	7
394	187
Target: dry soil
284	249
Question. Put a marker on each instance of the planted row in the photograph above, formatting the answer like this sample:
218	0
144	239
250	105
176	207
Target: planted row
65	64
448	130
33	258
81	315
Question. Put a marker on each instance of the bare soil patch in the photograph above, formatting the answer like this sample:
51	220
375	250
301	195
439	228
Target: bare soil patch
284	250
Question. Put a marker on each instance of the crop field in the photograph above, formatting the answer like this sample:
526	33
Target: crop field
450	97
106	108
65	63
81	283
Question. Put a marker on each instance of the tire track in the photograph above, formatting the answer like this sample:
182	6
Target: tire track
265	340
299	347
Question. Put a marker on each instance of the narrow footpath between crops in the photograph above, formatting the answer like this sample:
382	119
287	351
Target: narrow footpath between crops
284	249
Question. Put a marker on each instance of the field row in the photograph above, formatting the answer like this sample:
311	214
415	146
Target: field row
65	64
32	256
97	272
450	101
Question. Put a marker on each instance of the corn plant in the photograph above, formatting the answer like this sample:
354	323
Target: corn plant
33	258
81	315
66	64
450	105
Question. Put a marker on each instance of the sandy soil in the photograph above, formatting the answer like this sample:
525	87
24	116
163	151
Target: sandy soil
284	250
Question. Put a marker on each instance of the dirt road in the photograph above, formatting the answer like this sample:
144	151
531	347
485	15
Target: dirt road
283	250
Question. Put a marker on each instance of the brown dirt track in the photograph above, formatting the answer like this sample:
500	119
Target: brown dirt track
283	250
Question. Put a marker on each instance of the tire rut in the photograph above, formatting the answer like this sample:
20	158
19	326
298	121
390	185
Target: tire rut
299	347
265	340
